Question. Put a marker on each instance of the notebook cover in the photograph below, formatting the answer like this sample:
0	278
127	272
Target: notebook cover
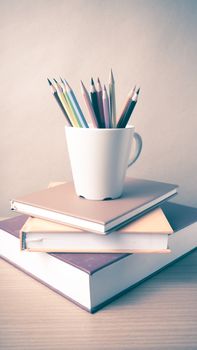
179	216
62	199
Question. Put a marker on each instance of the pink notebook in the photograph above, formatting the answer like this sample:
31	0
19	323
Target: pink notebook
62	205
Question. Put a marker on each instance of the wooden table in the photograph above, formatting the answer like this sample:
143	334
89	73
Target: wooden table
159	314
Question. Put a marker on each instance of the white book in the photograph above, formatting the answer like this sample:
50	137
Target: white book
146	235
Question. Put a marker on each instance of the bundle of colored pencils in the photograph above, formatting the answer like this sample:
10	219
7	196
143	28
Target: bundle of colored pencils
100	104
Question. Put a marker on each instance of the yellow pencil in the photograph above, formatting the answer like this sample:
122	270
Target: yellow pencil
65	104
70	103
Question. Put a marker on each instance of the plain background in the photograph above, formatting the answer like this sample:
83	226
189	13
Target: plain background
149	42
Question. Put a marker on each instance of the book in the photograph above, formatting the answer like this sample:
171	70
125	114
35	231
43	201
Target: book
93	280
147	234
61	204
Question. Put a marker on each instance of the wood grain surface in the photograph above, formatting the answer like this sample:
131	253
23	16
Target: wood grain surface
161	313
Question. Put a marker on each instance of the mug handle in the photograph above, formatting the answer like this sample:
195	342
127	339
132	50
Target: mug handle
138	148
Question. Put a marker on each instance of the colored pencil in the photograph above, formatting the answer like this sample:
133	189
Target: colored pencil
88	104
95	105
68	103
112	99
123	122
70	106
55	94
100	102
106	108
75	105
65	104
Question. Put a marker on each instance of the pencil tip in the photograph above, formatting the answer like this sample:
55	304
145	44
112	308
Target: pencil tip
82	84
67	85
138	90
111	76
55	80
50	83
92	81
62	80
132	91
98	80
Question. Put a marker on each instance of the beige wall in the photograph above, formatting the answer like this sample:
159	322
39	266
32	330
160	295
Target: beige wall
152	43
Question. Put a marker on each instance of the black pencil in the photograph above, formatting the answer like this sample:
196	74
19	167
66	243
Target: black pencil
55	94
100	102
95	104
124	120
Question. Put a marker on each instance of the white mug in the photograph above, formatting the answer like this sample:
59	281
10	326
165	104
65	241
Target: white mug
99	159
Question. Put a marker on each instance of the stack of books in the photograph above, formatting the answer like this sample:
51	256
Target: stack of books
93	251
